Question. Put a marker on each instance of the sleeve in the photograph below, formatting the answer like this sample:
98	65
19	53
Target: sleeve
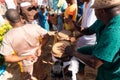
85	50
6	48
41	31
94	28
108	46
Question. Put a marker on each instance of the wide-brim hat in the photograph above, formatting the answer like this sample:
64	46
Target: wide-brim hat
64	35
99	4
56	49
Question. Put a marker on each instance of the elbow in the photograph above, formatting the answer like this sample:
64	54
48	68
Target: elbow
97	64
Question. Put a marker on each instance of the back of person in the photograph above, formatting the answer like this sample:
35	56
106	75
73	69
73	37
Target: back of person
27	41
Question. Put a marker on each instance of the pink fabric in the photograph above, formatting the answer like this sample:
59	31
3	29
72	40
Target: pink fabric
23	41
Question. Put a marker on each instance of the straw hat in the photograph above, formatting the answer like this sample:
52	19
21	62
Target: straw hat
99	4
64	35
57	51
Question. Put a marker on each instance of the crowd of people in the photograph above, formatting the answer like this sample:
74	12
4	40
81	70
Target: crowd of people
86	32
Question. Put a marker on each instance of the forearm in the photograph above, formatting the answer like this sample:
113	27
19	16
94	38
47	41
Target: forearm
85	31
14	58
89	60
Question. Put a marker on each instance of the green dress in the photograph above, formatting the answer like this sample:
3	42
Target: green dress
106	49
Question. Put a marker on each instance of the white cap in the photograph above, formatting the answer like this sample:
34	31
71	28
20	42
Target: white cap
24	4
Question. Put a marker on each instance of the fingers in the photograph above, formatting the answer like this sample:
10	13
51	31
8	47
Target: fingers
31	57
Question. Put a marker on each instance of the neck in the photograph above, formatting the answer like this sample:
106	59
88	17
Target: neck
109	17
15	25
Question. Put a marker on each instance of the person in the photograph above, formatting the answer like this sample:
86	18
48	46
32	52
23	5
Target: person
88	19
43	17
4	74
65	65
23	40
29	13
56	18
70	13
104	55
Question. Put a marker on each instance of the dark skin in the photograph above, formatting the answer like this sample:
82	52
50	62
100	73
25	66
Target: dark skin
29	13
105	15
70	2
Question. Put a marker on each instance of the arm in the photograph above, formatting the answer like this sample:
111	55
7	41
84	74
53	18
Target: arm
15	58
90	60
83	31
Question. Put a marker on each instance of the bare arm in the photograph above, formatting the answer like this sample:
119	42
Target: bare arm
90	60
15	58
83	31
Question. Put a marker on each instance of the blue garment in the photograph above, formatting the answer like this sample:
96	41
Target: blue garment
55	2
63	6
43	20
80	9
2	69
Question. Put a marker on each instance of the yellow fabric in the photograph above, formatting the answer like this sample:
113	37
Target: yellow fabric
71	10
67	26
60	2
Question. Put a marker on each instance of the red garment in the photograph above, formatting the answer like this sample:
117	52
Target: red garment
2	1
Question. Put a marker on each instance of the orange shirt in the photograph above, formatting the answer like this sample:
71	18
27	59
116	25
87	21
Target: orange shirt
70	10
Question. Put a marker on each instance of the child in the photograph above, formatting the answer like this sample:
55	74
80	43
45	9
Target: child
43	18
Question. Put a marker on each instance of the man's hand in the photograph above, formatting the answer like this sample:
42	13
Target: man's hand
72	39
30	57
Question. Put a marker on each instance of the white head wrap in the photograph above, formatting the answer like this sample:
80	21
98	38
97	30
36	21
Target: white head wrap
24	4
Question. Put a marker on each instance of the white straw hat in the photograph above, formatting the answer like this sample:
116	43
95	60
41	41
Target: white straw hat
98	4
